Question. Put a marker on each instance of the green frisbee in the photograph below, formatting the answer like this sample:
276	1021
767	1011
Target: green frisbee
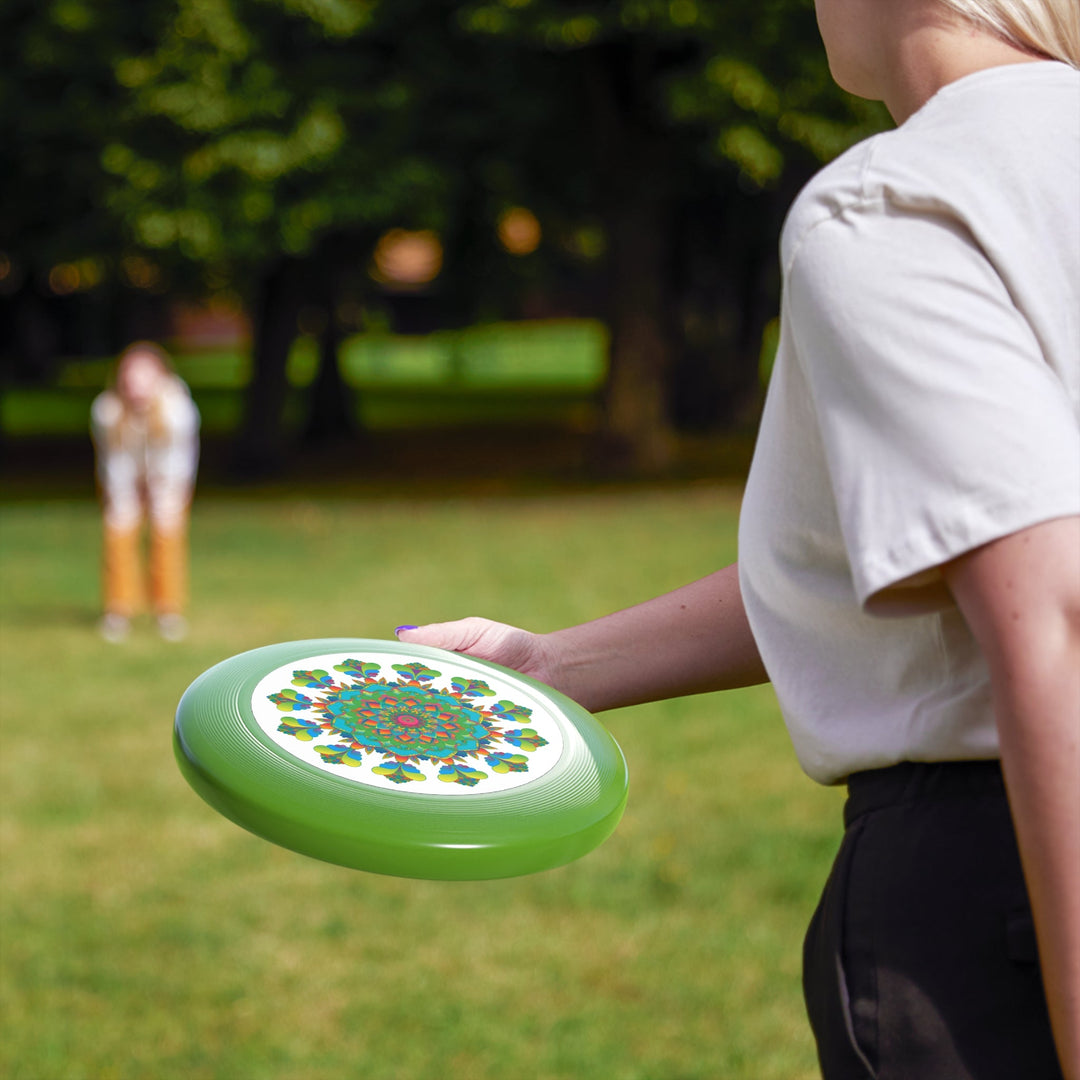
400	759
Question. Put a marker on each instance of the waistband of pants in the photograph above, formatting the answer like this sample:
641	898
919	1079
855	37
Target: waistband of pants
911	782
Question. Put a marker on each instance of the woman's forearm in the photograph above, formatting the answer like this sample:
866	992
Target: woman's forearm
689	641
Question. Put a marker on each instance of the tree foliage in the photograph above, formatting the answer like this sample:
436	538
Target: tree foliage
264	145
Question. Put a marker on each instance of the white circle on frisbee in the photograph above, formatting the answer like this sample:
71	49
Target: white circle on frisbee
409	726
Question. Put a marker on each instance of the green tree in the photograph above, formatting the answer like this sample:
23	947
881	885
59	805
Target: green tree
59	105
260	135
693	111
272	142
263	146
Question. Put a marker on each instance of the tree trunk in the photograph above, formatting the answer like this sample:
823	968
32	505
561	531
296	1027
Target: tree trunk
635	190
637	427
261	449
331	416
35	337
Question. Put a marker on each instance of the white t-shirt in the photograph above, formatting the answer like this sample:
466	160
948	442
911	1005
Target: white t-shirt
925	400
146	462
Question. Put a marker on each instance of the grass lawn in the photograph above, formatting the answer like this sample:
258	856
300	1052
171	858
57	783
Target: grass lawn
144	936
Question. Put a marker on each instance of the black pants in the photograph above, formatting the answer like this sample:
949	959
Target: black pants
920	961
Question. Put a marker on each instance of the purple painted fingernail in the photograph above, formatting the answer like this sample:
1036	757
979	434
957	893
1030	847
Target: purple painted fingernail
398	629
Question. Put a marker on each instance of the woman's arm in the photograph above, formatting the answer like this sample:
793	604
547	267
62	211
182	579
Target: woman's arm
689	641
1021	598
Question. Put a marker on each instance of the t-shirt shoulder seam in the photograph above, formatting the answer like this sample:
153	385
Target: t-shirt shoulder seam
863	197
863	201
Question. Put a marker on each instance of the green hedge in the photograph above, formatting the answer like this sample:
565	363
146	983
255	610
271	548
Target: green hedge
508	372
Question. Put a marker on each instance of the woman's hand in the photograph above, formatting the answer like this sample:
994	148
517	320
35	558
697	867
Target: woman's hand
502	644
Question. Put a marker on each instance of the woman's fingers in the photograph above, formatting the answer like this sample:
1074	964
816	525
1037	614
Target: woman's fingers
502	644
461	635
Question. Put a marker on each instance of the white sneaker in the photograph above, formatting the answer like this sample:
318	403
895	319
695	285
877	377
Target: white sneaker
114	628
172	627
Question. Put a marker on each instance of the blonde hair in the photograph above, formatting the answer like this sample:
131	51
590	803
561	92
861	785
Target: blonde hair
144	347
1048	27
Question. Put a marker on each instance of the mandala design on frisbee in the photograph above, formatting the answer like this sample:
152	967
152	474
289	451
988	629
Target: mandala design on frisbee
408	726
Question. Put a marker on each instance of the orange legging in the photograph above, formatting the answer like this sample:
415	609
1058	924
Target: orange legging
123	581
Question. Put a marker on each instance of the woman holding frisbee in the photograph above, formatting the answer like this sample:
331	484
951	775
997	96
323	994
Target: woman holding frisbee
909	573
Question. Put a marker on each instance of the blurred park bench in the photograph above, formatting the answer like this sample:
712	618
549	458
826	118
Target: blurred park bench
521	372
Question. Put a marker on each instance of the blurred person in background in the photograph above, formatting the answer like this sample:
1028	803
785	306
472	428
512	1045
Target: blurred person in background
909	549
146	438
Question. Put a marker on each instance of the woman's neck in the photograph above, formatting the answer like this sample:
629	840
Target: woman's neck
930	53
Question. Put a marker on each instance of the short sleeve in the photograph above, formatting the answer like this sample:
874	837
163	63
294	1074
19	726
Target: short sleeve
944	426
